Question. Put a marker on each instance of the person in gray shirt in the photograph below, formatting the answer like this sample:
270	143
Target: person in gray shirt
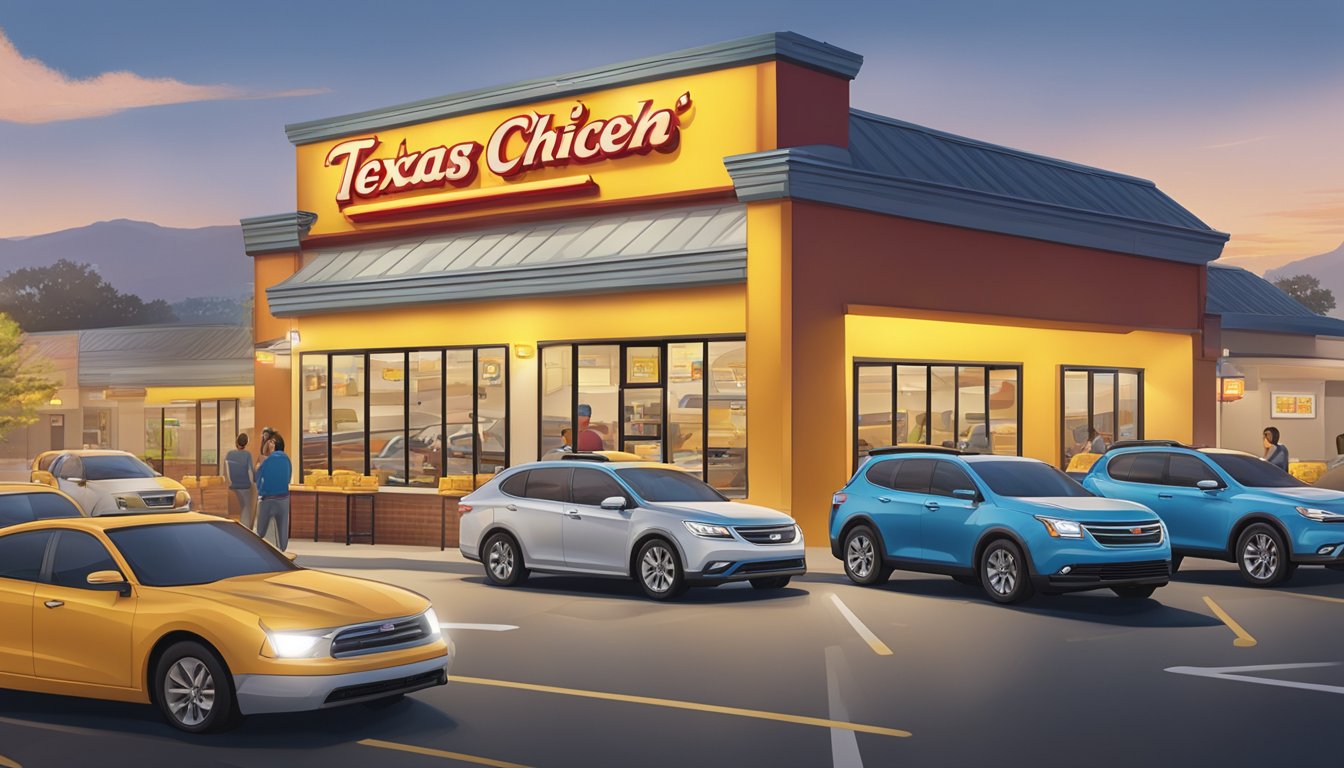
242	480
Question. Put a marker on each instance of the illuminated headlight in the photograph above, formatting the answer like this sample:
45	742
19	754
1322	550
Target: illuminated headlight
299	645
181	499
707	531
1320	515
1061	529
799	530
432	618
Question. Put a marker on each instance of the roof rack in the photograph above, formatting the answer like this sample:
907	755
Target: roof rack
584	457
916	448
1146	444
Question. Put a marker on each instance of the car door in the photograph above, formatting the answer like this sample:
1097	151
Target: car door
537	517
1195	518
21	556
902	488
81	633
596	539
946	534
68	470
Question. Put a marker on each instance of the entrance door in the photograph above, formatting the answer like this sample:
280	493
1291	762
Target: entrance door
80	633
58	432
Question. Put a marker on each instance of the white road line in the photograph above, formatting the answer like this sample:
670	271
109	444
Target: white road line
1230	673
879	647
844	743
481	627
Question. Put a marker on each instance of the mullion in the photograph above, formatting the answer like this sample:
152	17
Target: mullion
706	370
989	436
475	415
406	417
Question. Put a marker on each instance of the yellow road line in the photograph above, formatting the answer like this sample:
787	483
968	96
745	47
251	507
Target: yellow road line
1322	598
1244	639
5	762
879	647
458	756
688	705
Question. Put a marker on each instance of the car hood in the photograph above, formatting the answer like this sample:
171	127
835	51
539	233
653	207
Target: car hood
1084	509
1304	495
136	485
726	512
306	599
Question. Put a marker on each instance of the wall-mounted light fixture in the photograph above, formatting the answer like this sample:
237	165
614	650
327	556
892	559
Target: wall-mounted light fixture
265	357
294	338
54	401
524	351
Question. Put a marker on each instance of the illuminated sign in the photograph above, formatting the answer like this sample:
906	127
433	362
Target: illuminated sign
519	144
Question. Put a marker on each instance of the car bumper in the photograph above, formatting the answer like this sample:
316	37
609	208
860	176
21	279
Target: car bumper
1086	576
261	694
1308	542
718	562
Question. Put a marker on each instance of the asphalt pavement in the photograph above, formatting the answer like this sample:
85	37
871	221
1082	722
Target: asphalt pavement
922	671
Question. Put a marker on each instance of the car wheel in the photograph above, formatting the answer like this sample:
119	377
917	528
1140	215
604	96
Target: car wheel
1261	556
863	557
504	560
1138	592
194	691
659	571
771	582
1004	574
1176	561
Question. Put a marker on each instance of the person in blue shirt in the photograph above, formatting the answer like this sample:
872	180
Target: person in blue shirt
273	490
1276	453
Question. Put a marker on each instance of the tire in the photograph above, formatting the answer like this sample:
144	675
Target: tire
1261	556
771	582
1137	592
863	557
970	580
1176	561
1004	574
503	560
194	690
658	570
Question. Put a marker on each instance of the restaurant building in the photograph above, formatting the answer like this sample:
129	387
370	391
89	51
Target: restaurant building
612	252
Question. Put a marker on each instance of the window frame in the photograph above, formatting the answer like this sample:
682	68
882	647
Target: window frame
1092	371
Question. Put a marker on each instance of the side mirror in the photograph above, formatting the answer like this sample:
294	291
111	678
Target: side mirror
967	494
616	503
43	477
109	580
1209	485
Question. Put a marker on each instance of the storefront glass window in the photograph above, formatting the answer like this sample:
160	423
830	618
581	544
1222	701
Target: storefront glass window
912	398
874	399
1103	408
599	372
209	438
685	397
557	397
458	381
154	453
228	428
387	418
1100	406
97	428
942	406
424	439
1127	418
972	423
313	414
727	417
179	441
347	413
1003	412
492	402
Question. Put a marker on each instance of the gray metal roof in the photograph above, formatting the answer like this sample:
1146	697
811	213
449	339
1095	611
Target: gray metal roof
1248	302
896	148
166	355
685	246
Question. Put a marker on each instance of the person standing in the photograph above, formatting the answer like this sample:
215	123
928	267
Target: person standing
267	445
589	438
273	488
1275	452
242	481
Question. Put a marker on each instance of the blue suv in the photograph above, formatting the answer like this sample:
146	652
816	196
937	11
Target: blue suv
1227	505
1010	525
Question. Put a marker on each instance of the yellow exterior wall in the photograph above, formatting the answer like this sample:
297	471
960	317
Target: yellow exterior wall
769	325
166	395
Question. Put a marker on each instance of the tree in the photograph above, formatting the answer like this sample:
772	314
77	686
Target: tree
67	296
24	386
1308	292
211	310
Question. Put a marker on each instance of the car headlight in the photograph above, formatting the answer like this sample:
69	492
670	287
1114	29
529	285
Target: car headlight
122	503
432	618
1320	515
298	645
182	499
798	529
707	531
1062	529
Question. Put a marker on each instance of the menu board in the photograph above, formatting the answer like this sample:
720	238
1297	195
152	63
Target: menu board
1293	405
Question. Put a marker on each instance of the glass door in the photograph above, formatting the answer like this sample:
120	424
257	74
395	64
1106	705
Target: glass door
642	411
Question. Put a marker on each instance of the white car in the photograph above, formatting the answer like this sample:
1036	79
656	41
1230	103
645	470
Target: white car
114	483
652	522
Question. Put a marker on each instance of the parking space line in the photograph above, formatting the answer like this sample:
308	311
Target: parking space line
879	647
426	751
5	762
1244	639
844	744
1322	598
692	706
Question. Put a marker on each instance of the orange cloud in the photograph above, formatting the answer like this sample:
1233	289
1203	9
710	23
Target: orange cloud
32	92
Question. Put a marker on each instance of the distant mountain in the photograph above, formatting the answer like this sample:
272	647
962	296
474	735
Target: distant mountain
145	259
1327	267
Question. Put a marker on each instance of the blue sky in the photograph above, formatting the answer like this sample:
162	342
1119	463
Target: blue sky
1233	107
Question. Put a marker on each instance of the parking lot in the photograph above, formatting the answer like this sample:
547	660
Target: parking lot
923	671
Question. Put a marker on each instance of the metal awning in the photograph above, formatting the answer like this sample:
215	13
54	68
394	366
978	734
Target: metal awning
657	249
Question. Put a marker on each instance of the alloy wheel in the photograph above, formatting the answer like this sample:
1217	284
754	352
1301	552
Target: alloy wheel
860	556
1261	556
501	559
1002	572
658	569
190	691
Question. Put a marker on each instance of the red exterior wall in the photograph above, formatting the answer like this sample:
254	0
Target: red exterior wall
812	107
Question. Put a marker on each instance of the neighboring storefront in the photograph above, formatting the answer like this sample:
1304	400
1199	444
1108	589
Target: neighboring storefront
471	281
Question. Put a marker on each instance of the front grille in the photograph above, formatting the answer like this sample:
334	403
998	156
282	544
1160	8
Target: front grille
369	638
770	565
768	534
1087	572
157	501
1125	534
399	685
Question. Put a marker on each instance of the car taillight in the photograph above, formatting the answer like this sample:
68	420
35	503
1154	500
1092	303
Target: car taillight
836	500
464	508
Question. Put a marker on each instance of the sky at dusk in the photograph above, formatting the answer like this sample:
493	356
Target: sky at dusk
173	112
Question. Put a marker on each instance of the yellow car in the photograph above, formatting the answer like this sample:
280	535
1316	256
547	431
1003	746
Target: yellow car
26	502
110	482
202	618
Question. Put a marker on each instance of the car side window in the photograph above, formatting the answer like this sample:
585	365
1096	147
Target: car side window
549	484
1186	471
77	555
1120	466
70	467
883	473
948	477
21	555
915	475
516	484
18	508
591	486
1150	468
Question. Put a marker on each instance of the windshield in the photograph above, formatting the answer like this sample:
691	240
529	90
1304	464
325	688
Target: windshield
655	484
114	467
1252	472
1026	478
18	508
179	554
